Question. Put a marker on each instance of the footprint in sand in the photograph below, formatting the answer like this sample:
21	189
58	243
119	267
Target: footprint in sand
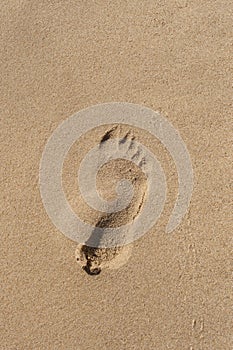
92	259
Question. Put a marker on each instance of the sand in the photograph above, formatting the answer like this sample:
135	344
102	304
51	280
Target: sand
164	291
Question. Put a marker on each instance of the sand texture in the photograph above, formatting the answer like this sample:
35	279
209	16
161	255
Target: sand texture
163	291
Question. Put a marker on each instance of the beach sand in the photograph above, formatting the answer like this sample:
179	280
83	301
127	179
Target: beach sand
163	291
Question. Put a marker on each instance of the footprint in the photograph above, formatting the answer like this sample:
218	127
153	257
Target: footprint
93	260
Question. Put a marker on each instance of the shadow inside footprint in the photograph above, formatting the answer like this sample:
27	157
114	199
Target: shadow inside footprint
92	272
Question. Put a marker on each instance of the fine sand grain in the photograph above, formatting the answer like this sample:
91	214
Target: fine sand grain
163	291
